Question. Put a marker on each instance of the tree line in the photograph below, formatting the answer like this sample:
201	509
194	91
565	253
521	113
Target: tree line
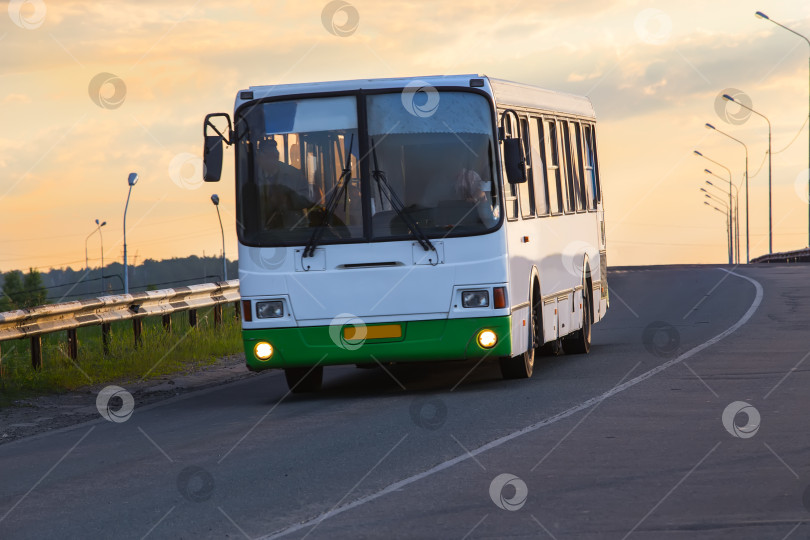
21	290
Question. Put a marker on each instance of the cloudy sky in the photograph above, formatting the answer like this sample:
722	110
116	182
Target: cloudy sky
92	90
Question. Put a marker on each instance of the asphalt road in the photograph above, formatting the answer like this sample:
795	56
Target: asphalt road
628	441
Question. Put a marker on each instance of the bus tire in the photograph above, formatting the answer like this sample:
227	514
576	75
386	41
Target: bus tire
522	365
304	379
580	341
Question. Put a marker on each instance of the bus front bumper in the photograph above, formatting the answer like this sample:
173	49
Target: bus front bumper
419	341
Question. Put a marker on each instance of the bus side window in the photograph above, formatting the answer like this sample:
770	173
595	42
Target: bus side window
553	170
510	199
527	190
590	173
583	203
591	167
294	150
570	192
539	167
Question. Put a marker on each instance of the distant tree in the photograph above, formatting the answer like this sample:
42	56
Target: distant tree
35	294
22	291
13	289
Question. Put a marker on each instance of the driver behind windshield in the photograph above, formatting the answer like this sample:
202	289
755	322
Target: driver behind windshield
283	188
272	171
470	187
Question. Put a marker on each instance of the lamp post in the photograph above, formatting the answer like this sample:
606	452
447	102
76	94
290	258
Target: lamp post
729	224
770	169
736	209
697	153
132	179
97	229
747	238
724	214
761	15
215	200
101	237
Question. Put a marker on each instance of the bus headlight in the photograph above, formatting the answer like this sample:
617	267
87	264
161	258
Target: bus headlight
263	350
487	339
270	310
475	299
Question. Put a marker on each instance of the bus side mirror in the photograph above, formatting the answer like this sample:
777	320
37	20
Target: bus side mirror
514	161
212	148
212	158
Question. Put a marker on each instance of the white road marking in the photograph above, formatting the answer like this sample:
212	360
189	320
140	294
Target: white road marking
534	427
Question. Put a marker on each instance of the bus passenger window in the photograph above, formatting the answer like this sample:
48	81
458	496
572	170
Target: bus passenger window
570	191
294	151
553	167
576	163
591	173
539	167
527	190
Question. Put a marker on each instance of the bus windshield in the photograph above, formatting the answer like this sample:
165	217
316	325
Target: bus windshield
429	172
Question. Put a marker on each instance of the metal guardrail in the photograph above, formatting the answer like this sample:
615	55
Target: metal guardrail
33	323
797	256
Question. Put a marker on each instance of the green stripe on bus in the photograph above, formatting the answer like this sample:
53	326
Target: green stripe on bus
421	341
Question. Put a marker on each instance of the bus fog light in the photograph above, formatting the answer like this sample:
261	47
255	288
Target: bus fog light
475	299
270	310
487	339
263	350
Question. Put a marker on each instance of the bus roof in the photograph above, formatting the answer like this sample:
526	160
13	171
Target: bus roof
506	93
525	95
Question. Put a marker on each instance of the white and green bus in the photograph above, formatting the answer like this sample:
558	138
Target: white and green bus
413	220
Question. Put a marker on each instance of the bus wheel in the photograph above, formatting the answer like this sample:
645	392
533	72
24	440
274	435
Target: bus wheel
522	366
580	341
304	379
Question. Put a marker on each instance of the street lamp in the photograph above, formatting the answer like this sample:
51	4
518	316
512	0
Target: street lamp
131	180
761	15
724	215
97	229
215	200
707	203
747	241
736	209
697	153
715	198
770	169
730	224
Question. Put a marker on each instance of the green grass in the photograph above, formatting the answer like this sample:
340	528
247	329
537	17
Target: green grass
160	354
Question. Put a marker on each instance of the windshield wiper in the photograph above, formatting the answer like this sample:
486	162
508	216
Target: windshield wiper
396	203
331	204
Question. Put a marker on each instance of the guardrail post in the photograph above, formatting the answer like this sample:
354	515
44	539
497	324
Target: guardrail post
218	315
192	318
105	337
72	344
167	323
237	310
36	352
137	329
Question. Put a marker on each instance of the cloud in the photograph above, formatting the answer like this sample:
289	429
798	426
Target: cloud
17	98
